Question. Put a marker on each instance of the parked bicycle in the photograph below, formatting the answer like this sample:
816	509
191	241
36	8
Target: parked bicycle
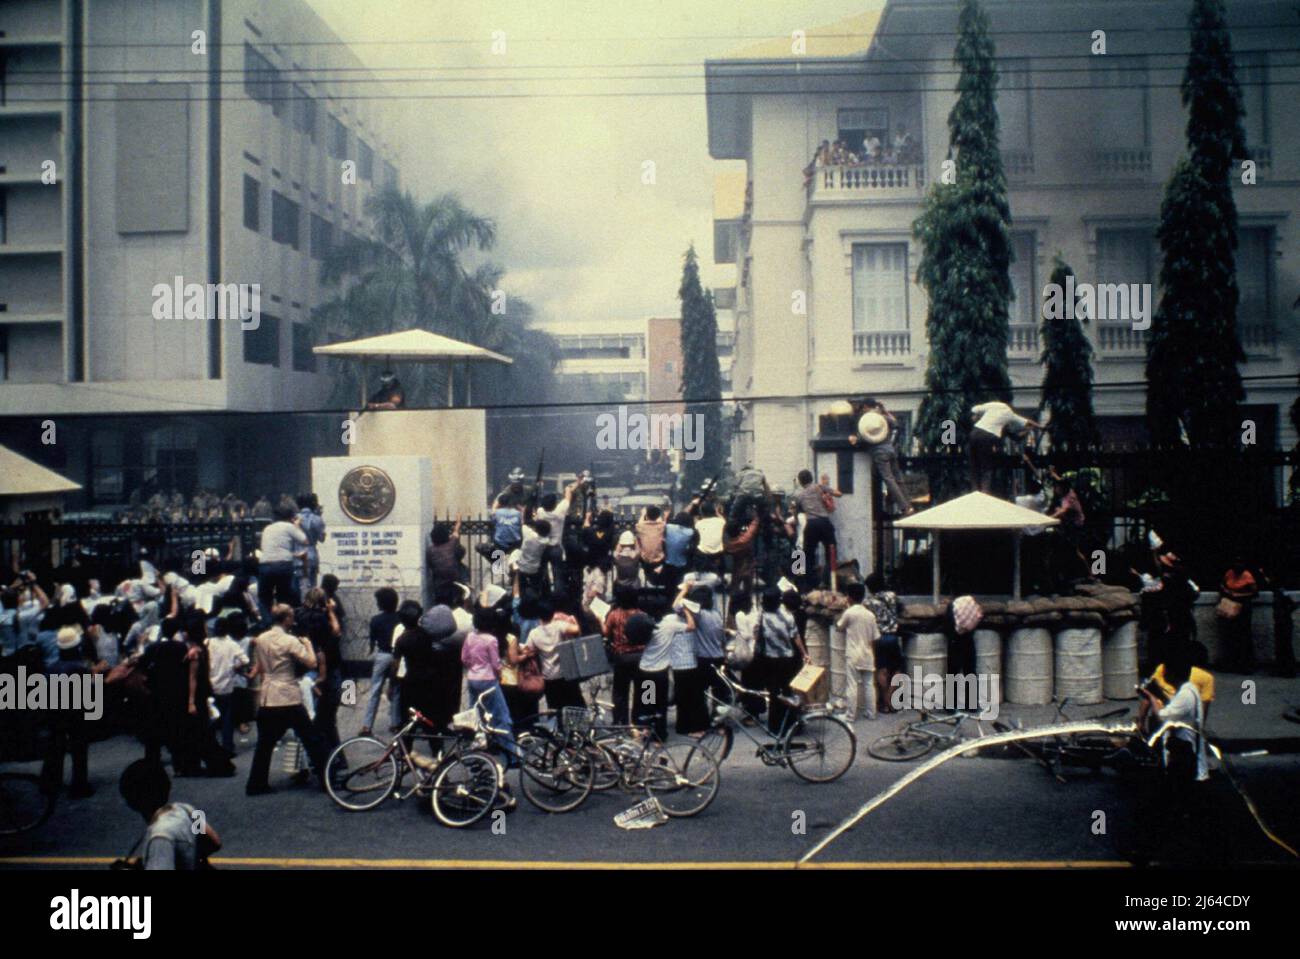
24	804
930	731
1092	751
463	780
683	778
815	745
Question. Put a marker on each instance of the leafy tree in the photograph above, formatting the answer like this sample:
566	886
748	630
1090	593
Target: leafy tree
966	244
412	276
1067	373
701	375
1193	351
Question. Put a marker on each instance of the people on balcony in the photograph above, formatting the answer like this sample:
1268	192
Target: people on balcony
876	150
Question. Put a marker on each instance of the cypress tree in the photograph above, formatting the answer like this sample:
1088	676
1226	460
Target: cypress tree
966	242
701	375
1067	374
1193	350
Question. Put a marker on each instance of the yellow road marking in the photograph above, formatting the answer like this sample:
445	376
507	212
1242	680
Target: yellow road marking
358	863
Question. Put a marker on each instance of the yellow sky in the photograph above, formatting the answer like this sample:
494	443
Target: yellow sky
581	235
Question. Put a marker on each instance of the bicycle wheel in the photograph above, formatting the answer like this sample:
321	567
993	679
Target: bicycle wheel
820	748
465	790
606	771
555	775
718	740
361	773
901	747
23	804
683	777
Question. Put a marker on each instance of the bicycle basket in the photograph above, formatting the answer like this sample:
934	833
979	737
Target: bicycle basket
465	719
576	719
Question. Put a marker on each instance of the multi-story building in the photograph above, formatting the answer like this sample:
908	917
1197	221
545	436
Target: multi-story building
825	299
216	141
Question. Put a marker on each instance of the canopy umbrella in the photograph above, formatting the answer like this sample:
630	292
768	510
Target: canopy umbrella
972	512
413	346
19	476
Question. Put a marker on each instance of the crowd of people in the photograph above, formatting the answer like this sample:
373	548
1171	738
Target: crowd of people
875	148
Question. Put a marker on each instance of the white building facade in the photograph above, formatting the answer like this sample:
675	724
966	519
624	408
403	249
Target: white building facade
826	303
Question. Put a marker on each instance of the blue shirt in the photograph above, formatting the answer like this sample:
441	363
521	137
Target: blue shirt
677	543
778	635
672	645
48	641
314	526
709	636
507	531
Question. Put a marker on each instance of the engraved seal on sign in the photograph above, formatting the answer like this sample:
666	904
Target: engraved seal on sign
366	494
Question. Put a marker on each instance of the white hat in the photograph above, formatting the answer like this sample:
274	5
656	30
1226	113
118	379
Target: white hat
873	427
69	637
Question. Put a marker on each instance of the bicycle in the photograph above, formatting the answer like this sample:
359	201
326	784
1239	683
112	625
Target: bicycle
914	739
815	745
556	773
681	776
1093	751
463	781
24	803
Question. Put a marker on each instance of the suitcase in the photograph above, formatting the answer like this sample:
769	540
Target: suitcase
584	657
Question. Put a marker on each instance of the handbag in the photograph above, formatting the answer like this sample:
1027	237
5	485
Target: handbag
1228	609
828	500
529	675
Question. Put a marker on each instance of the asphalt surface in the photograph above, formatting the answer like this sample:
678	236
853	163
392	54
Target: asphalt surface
997	813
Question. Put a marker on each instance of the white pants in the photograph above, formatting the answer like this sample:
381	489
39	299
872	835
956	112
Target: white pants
866	679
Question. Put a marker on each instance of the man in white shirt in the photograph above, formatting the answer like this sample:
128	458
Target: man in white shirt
994	417
226	660
858	624
532	551
708	551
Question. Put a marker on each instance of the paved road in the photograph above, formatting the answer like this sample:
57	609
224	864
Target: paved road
986	811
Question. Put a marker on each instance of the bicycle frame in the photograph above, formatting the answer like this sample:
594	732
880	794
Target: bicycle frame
458	744
796	711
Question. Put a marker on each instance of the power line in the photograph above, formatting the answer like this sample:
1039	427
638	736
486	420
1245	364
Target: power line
610	94
814	34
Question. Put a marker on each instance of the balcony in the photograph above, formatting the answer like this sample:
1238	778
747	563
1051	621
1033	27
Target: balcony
867	181
1258	339
1022	342
1121	340
1018	163
894	345
1122	163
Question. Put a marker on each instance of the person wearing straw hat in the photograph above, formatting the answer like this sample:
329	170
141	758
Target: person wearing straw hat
68	733
877	430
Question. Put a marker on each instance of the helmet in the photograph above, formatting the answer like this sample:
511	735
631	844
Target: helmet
517	475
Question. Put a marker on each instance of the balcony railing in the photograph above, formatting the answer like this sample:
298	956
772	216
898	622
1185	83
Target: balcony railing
1120	339
1258	337
1120	162
1022	340
1018	163
867	181
892	345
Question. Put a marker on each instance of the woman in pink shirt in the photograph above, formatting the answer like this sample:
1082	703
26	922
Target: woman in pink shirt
481	657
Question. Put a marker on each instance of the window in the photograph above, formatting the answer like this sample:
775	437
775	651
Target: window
1255	276
4	74
365	160
1252	74
1119	103
259	76
1024	301
304	112
390	175
262	345
1125	256
726	241
252	203
284	219
855	126
4	219
1013	106
879	287
4	354
321	236
338	139
304	360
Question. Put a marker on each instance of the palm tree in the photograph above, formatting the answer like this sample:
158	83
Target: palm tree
410	276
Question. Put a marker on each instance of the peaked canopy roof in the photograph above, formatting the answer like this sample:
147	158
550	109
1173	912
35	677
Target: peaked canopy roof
411	345
976	511
19	476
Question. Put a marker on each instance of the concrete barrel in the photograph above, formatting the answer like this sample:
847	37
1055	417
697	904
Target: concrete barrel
926	651
1119	662
817	637
837	663
1027	672
1078	665
988	652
